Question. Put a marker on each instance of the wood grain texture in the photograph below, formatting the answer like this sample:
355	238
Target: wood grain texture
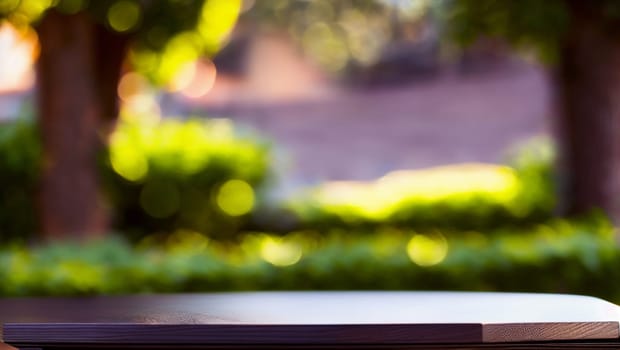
319	319
523	332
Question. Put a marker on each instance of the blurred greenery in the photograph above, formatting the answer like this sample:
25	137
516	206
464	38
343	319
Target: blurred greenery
200	175
166	34
461	197
578	256
530	24
346	34
20	165
181	193
207	176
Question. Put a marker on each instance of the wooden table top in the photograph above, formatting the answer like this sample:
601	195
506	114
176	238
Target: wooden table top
311	318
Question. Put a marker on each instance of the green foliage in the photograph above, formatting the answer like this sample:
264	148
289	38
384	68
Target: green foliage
175	33
165	34
560	256
460	197
533	162
204	176
524	23
192	175
159	178
20	162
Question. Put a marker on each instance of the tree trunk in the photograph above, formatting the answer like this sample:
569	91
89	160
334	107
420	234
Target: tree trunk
588	79
76	96
110	52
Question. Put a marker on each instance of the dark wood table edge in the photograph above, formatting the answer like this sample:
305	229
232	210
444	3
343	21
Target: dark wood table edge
568	345
239	334
227	336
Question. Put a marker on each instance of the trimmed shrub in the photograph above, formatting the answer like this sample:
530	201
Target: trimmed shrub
559	256
197	175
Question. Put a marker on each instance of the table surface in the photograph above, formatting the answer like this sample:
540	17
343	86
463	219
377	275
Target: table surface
310	318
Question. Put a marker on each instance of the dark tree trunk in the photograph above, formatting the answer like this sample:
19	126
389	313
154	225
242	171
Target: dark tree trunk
588	79
77	81
110	51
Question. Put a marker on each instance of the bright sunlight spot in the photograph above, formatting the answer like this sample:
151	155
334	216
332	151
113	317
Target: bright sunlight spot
378	199
217	20
195	79
426	250
19	50
139	99
235	198
280	252
128	163
130	85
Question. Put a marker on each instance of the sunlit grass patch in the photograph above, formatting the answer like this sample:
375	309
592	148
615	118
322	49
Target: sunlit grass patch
466	196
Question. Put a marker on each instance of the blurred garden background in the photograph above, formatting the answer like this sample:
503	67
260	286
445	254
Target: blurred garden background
224	145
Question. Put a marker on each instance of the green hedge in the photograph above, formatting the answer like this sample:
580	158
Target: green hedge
20	160
560	256
200	175
462	196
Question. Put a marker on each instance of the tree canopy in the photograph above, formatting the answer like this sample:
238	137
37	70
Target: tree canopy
165	34
541	25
